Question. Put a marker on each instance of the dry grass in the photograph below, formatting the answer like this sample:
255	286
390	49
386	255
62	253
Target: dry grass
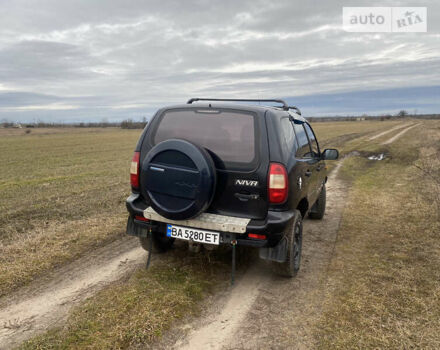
429	165
336	134
134	312
62	193
384	281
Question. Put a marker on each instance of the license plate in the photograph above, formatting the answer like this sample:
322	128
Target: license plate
193	234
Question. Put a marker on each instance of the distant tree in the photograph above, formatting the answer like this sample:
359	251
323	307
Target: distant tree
104	123
402	113
130	124
144	122
6	123
127	124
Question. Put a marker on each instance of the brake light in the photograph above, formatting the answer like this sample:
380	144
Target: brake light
278	183
256	236
134	171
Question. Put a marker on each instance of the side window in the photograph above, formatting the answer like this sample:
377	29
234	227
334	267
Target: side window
301	137
313	141
288	135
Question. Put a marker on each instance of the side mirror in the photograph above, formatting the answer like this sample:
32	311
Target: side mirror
330	154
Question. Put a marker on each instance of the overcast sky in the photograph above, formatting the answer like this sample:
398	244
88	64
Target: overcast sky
93	60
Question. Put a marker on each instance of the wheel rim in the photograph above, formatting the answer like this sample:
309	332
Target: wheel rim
297	246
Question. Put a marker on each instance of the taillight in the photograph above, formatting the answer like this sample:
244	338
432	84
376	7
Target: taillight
134	171
141	218
278	183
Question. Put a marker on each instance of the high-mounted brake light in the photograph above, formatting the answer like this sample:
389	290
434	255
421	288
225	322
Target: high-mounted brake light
134	171
278	183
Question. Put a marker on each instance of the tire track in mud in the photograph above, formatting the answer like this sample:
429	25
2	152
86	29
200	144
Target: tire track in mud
397	127
46	302
398	135
267	311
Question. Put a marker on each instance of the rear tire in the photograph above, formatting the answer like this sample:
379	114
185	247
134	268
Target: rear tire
160	244
290	267
318	209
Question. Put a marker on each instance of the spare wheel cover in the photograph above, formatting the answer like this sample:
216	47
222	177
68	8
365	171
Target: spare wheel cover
179	178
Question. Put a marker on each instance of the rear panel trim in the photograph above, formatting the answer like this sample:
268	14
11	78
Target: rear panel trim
205	221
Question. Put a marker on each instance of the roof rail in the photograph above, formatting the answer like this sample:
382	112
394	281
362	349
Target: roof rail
285	105
296	109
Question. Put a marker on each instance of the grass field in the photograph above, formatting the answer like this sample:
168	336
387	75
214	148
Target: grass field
63	192
384	279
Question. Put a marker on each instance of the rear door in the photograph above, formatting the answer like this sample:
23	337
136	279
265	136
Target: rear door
237	142
316	163
305	160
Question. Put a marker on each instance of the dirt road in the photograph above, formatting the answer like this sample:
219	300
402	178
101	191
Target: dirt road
397	127
398	135
46	302
249	315
266	311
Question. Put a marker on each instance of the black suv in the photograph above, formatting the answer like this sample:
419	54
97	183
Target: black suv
221	173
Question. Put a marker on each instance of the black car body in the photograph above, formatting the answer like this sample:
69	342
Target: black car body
267	161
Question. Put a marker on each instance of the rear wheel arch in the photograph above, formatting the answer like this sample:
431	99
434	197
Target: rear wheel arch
303	206
293	239
318	209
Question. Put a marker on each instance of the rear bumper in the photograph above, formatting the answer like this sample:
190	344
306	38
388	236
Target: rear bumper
273	227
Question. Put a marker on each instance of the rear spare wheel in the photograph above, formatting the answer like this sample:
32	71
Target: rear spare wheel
179	178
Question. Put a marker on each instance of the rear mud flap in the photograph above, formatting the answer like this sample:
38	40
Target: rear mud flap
136	230
277	253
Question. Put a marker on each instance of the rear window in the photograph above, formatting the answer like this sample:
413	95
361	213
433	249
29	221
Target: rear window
230	135
289	135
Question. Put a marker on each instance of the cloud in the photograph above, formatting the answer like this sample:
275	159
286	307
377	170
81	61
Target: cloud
91	59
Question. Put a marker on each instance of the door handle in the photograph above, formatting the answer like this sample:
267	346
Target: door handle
245	197
308	173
